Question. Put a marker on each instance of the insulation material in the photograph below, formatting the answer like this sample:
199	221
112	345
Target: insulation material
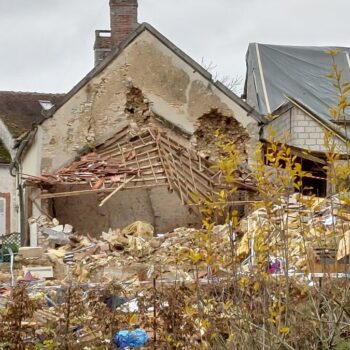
301	227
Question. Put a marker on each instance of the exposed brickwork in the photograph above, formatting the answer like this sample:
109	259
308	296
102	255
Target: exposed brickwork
123	19
103	45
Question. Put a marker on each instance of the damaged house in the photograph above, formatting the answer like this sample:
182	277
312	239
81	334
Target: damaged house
290	85
134	138
18	112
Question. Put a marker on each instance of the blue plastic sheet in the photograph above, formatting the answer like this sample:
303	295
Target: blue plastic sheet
131	339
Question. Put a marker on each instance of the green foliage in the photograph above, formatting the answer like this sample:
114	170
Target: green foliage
4	153
343	345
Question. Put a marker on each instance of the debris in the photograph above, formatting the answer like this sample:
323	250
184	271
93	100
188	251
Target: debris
39	271
56	235
30	252
139	229
313	226
344	247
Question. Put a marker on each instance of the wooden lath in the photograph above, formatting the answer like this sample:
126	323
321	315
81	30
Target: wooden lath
145	160
123	162
189	173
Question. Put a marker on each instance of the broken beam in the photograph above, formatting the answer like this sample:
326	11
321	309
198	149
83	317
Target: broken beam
116	190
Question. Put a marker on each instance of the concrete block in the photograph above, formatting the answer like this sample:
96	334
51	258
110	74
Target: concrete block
299	129
58	228
298	142
310	142
310	129
302	123
303	135
68	229
30	252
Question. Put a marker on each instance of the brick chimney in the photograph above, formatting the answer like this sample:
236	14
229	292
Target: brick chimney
123	19
123	22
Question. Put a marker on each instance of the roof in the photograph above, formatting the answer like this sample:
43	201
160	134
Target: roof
127	161
299	72
128	40
19	110
5	157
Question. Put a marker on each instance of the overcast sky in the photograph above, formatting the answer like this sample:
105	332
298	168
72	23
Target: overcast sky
47	45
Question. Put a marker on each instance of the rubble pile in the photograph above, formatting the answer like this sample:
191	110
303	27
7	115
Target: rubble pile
313	232
134	254
136	259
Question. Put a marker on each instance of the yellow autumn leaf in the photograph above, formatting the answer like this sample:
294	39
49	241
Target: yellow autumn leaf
284	330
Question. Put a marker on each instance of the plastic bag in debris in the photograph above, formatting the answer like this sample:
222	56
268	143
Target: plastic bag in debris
131	339
330	221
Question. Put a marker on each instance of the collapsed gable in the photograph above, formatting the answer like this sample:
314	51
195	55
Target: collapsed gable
146	168
178	91
132	160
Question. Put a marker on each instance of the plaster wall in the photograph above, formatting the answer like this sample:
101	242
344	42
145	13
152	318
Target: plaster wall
157	206
176	91
8	187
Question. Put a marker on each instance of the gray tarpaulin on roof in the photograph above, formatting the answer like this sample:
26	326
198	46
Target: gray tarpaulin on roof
274	72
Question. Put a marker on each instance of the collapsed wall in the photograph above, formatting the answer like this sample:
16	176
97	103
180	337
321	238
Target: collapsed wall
228	128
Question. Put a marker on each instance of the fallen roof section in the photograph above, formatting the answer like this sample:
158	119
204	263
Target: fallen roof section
197	67
274	72
20	110
129	161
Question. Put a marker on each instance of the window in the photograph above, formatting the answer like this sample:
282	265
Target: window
46	105
2	216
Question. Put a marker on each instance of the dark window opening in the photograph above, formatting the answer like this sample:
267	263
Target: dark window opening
316	183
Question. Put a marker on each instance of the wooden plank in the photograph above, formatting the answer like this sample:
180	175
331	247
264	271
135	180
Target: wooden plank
197	171
84	192
125	150
115	191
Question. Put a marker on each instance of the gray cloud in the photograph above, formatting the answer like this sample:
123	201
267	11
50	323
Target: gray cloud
46	45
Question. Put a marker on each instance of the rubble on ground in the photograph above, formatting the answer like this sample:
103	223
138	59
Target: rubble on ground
314	228
136	258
